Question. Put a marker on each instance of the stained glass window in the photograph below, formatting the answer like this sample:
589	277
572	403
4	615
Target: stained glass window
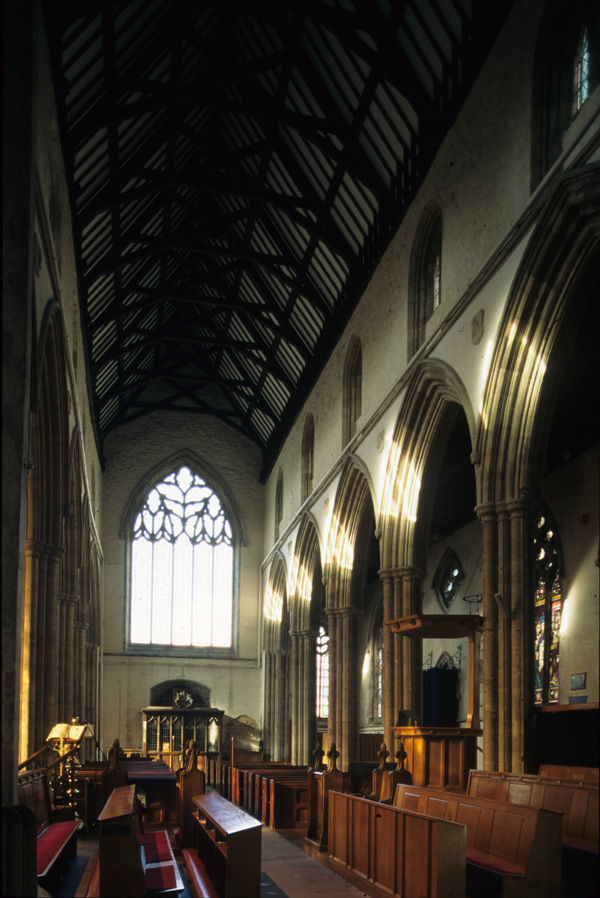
378	677
182	566
547	613
581	74
322	673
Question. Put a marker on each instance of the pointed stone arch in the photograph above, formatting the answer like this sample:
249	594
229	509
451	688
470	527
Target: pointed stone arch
353	505
433	399
542	313
276	638
305	590
429	405
44	543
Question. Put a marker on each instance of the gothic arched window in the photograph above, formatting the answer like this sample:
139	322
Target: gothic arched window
278	504
567	71
352	387
308	457
582	70
182	567
322	673
547	612
425	278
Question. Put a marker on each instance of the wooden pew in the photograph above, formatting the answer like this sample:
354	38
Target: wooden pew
96	781
191	781
226	858
386	778
285	800
512	850
56	842
387	851
578	803
563	772
132	862
321	781
380	775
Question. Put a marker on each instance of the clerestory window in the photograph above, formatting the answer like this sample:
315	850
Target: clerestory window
581	74
182	566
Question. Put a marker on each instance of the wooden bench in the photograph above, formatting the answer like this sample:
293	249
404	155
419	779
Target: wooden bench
56	839
578	803
130	862
321	782
285	800
387	851
563	772
512	850
226	858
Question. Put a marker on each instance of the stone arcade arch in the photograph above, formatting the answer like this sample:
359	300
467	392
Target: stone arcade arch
305	589
426	417
542	311
60	631
276	663
353	505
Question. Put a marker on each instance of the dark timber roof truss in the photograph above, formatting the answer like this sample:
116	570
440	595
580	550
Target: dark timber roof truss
236	171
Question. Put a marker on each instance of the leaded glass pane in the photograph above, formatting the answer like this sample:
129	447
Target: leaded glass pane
322	673
182	566
547	614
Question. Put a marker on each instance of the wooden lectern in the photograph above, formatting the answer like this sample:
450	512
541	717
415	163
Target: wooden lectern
443	756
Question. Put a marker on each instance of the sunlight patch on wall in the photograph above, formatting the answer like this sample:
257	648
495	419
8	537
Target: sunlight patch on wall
302	582
485	368
341	554
273	605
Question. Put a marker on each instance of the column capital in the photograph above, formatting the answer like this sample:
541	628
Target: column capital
65	598
38	547
344	611
487	511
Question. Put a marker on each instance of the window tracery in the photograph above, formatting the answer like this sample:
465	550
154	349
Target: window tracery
447	578
182	558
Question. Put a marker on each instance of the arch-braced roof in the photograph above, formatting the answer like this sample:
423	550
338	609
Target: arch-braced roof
236	170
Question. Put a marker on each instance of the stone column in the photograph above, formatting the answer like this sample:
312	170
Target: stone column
412	663
279	722
295	672
308	693
520	545
80	689
487	515
342	726
31	583
333	674
398	647
389	708
504	551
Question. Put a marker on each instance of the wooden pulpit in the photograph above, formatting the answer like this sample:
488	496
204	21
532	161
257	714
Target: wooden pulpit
443	756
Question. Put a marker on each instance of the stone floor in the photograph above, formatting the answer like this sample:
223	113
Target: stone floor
287	871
